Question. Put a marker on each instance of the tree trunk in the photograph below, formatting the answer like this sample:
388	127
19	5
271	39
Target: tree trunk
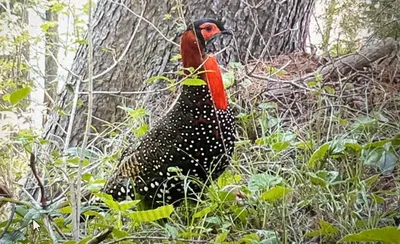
262	29
51	67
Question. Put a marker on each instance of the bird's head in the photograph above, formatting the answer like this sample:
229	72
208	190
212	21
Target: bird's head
207	30
194	42
197	37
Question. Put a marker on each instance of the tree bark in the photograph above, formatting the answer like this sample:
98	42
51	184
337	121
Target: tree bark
261	28
51	67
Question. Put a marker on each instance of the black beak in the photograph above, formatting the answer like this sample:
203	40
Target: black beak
215	37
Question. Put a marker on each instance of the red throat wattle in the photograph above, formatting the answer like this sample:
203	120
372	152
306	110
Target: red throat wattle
192	56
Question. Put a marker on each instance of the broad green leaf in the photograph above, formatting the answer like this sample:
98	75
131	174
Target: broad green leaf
194	82
318	155
172	230
204	211
249	239
118	233
316	180
221	237
274	194
57	6
108	200
389	234
365	123
66	210
19	94
376	144
141	130
226	196
227	178
324	177
96	185
48	24
126	205
12	237
325	229
280	146
29	216
152	215
176	57
263	181
228	78
240	212
387	162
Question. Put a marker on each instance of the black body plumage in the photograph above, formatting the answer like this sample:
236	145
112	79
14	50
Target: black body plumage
194	139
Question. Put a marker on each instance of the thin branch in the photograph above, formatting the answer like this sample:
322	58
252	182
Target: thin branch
127	46
32	165
148	22
100	237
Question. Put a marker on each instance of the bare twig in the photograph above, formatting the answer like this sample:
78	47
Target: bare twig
148	22
101	236
140	18
32	165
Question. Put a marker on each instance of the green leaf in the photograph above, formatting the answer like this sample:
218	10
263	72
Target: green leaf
227	178
318	155
329	90
280	146
12	237
325	229
221	237
249	239
377	199
324	178
228	78
159	77
108	200
126	205
204	211
57	6
176	57
274	194
29	216
389	234
263	181
141	130
194	82
96	185
19	94
365	123
152	215
172	230
48	24
387	162
66	210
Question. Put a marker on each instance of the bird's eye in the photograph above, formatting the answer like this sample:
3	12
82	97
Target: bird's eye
208	27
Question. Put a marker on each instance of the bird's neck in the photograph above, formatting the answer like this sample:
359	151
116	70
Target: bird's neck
193	56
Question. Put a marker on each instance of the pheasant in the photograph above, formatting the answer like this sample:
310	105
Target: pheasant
192	143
